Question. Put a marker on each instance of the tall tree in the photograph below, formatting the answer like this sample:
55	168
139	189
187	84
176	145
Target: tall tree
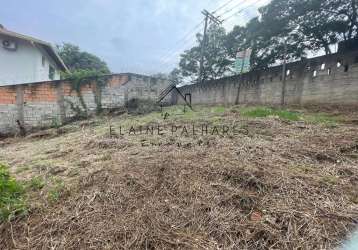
284	28
344	17
301	25
217	59
75	59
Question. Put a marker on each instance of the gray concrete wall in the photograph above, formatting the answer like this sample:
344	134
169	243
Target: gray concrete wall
331	85
51	103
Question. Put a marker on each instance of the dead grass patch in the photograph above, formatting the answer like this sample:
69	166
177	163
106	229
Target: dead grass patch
295	190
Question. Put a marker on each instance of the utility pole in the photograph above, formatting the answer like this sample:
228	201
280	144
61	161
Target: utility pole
208	17
284	75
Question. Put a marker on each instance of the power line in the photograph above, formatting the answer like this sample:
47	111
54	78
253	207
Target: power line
173	53
169	61
241	10
183	39
181	42
170	53
222	6
208	16
193	30
232	8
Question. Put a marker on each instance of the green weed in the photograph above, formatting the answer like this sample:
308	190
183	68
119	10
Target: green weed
265	112
36	183
321	118
56	190
11	196
218	109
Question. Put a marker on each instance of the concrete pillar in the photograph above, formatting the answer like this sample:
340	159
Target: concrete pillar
20	103
61	102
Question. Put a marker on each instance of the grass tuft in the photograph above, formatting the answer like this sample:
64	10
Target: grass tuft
57	189
265	112
321	118
11	196
36	183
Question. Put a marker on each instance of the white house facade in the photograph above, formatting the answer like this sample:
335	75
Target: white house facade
25	59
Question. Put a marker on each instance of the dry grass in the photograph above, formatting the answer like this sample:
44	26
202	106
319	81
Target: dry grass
277	185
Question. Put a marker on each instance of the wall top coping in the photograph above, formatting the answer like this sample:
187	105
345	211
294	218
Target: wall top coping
54	82
314	61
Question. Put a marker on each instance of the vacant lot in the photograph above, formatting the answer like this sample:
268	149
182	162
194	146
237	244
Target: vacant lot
259	178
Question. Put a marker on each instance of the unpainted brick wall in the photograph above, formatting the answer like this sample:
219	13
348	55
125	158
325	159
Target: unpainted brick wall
49	103
311	81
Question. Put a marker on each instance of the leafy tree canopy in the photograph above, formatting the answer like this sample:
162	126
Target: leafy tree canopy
300	26
304	25
217	57
75	59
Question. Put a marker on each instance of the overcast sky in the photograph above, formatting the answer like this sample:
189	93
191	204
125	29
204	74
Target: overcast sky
139	36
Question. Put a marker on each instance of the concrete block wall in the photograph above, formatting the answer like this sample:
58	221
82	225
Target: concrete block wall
113	94
8	109
48	103
325	80
38	103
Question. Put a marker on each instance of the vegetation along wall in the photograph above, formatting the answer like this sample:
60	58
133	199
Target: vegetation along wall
325	80
52	103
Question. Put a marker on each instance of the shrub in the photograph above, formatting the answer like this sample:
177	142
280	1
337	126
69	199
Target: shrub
11	196
140	107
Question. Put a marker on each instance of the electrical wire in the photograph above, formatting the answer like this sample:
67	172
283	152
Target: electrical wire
222	6
232	8
179	45
169	55
241	10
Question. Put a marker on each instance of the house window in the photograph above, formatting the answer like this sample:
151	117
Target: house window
288	72
43	61
51	73
323	66
339	63
329	71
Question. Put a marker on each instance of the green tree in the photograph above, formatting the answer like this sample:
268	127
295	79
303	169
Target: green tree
217	59
306	25
75	59
175	77
284	28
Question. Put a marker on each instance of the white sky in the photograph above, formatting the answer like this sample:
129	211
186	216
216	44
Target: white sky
139	36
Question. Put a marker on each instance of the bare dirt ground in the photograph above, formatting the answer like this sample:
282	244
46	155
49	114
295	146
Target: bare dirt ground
275	184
